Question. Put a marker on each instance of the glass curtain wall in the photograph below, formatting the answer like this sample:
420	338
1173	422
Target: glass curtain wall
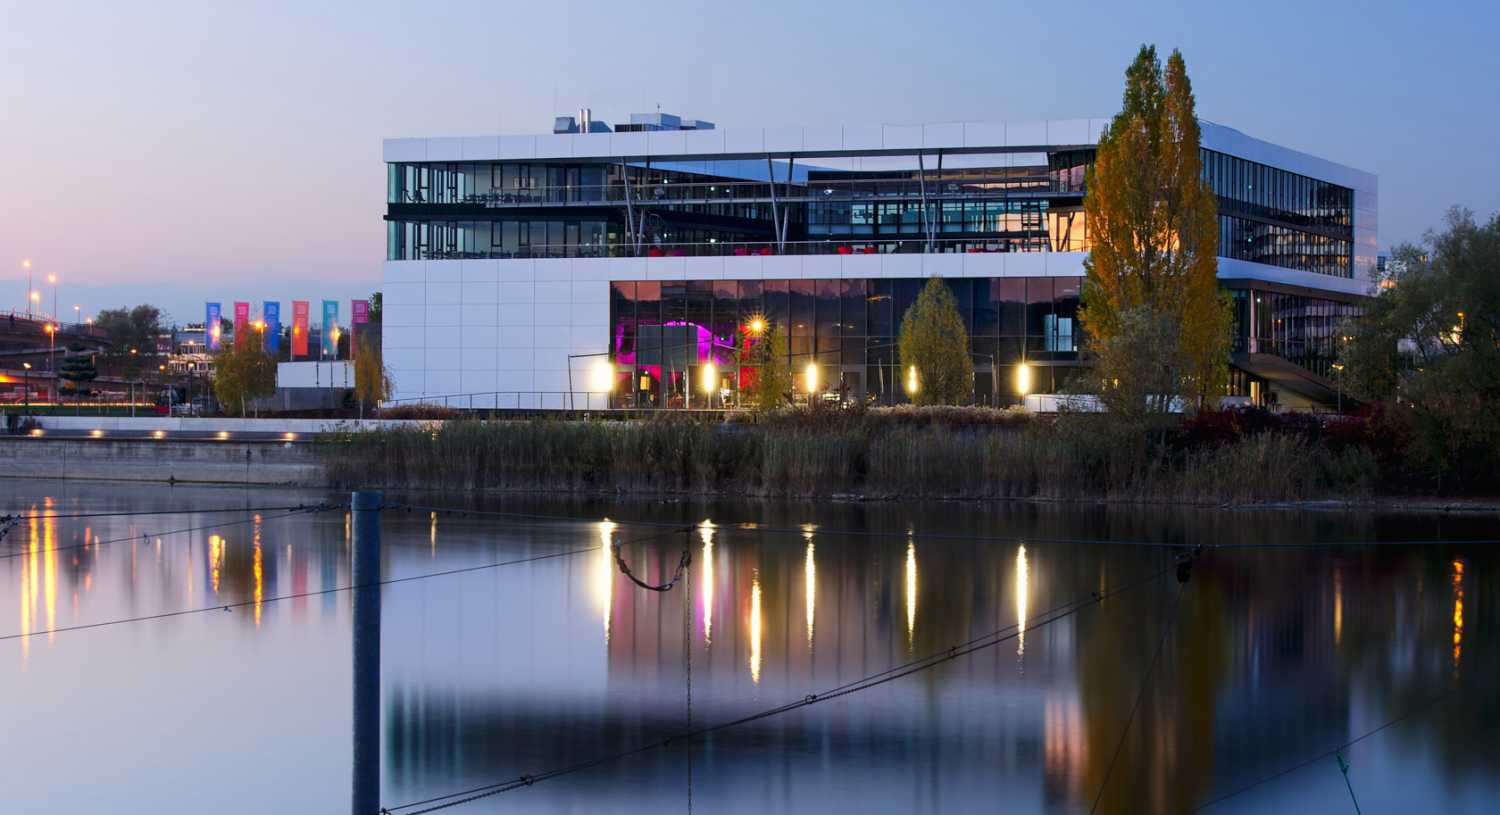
679	344
1308	331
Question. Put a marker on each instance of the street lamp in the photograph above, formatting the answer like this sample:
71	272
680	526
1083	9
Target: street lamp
77	314
52	278
710	381
26	388
811	375
1023	380
757	326
26	264
912	385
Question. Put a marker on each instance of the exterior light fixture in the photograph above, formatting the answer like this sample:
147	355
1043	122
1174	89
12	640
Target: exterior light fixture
36	431
223	434
289	436
602	377
1023	379
912	385
757	326
812	378
158	434
96	433
710	378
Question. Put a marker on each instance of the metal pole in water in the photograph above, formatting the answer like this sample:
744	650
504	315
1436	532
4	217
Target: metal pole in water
366	636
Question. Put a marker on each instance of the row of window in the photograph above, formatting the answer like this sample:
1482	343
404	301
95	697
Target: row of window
822	316
1260	242
1277	193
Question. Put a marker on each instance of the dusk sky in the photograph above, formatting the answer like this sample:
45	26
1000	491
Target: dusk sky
175	152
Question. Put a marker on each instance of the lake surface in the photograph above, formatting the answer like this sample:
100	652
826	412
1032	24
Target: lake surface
1272	655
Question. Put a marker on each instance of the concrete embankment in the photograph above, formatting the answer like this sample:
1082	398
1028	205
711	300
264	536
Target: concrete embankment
163	460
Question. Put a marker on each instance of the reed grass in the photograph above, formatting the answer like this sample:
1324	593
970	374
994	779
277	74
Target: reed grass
907	454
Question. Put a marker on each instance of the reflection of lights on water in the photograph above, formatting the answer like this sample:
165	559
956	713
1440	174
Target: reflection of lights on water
1023	596
604	572
1458	610
1338	606
755	628
259	574
49	585
432	534
28	588
215	558
706	582
911	591
810	578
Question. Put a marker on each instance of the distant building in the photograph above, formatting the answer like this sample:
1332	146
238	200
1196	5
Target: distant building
623	267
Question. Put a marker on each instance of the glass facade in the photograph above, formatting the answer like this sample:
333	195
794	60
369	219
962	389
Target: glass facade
665	336
1307	331
1269	215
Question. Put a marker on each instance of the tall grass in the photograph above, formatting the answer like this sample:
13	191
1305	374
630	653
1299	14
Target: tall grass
875	455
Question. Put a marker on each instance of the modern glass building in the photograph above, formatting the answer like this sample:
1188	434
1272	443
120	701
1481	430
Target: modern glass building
633	266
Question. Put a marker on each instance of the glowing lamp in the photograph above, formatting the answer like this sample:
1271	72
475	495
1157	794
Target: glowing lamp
710	378
602	377
1023	379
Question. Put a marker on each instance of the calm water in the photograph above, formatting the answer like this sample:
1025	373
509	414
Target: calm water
1275	656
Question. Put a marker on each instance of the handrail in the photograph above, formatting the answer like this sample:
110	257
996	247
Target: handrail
730	191
1035	241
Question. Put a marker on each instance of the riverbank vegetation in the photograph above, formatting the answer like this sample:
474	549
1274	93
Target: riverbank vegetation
972	453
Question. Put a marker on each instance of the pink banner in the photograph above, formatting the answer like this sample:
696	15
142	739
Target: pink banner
361	311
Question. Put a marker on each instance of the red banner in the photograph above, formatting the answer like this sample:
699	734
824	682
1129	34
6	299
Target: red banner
300	311
241	322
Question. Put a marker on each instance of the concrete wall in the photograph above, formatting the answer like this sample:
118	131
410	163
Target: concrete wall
215	425
160	461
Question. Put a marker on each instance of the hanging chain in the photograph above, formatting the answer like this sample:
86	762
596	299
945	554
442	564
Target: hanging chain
682	565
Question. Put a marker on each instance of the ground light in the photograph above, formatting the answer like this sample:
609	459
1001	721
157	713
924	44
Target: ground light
812	378
710	378
1023	379
602	377
912	385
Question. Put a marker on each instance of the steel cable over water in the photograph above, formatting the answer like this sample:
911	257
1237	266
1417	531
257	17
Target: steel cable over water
932	660
317	593
1331	752
254	518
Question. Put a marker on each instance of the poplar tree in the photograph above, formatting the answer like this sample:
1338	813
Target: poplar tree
933	340
773	374
1153	228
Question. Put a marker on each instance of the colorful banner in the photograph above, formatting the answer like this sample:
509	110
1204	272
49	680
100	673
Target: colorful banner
330	343
300	310
270	311
241	322
213	315
359	312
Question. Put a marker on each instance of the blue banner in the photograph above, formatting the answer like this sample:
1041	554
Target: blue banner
270	312
329	340
211	321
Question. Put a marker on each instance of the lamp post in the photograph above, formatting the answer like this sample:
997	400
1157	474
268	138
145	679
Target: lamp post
77	314
26	388
52	278
26	264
